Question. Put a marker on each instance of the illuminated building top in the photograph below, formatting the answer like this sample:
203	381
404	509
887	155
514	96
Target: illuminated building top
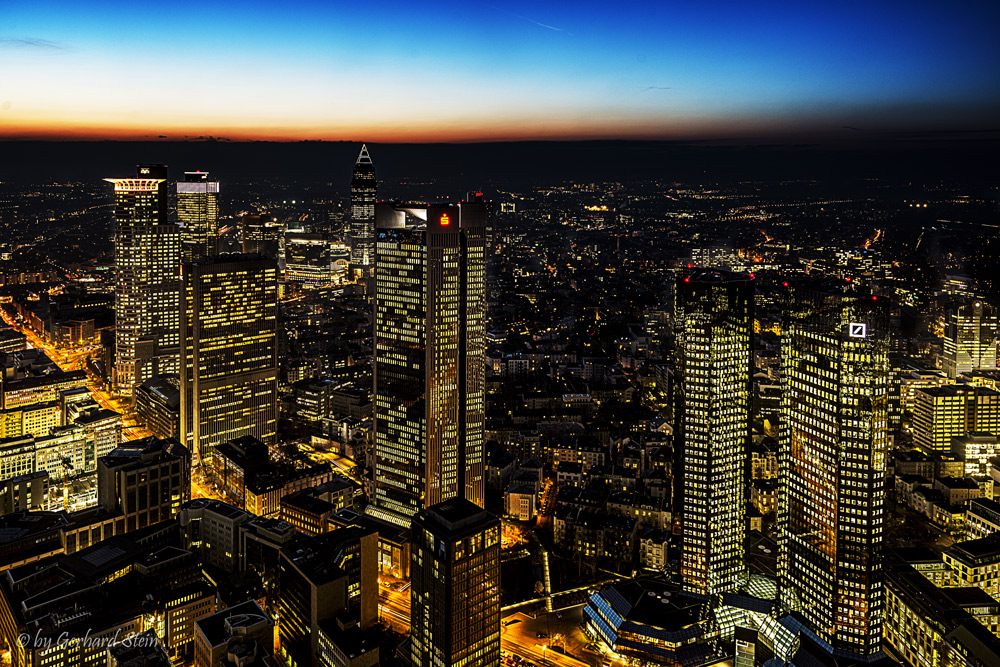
136	184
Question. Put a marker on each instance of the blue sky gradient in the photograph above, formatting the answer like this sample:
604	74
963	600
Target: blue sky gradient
404	71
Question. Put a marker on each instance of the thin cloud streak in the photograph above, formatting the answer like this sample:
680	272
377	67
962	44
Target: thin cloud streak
32	43
530	20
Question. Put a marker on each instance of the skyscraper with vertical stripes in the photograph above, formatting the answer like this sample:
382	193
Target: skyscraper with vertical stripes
429	353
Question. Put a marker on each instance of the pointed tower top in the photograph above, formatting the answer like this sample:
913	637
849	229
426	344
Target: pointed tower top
363	157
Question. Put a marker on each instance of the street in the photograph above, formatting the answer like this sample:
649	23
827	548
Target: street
519	636
75	359
394	604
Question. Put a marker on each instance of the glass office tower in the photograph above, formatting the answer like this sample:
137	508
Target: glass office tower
147	290
229	363
832	462
712	402
198	213
362	226
429	357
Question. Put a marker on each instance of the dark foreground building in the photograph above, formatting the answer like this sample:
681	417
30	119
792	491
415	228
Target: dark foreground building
455	594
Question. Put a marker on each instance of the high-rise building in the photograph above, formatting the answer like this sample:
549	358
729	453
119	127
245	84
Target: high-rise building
970	338
326	580
362	229
712	406
307	260
147	294
951	411
455	586
832	463
262	234
229	365
429	357
198	213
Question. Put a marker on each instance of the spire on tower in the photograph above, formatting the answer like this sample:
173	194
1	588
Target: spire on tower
363	157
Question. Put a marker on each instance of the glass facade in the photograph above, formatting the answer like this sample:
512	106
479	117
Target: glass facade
229	368
147	294
362	230
198	213
832	463
713	392
429	357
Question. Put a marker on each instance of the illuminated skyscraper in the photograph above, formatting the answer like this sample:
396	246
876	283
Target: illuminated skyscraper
970	338
429	357
951	411
712	402
455	591
198	212
147	291
362	229
832	463
229	367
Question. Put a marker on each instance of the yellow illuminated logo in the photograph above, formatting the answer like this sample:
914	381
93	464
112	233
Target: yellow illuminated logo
444	220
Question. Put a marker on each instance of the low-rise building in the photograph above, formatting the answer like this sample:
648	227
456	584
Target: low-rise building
927	626
240	636
651	620
211	528
764	495
982	518
519	502
653	550
976	563
569	473
957	490
158	405
307	512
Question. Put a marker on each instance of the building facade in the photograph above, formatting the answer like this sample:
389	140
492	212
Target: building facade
146	481
229	369
429	383
951	411
147	292
364	190
970	338
712	403
832	463
198	213
455	592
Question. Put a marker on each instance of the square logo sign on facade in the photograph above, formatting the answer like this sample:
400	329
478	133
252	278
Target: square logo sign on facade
857	330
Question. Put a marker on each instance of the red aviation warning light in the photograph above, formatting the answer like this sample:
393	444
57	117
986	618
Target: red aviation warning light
445	220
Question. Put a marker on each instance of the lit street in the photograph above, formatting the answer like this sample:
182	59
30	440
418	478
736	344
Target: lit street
519	636
394	606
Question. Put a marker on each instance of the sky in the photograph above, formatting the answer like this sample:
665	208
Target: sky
461	71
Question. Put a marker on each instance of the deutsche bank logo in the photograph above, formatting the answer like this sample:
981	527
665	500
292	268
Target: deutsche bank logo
857	330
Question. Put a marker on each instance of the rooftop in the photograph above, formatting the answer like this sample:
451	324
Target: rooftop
457	516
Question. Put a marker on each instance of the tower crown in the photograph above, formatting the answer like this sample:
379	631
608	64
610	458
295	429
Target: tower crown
363	157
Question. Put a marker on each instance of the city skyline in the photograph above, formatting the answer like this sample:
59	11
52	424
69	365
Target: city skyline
457	73
609	421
